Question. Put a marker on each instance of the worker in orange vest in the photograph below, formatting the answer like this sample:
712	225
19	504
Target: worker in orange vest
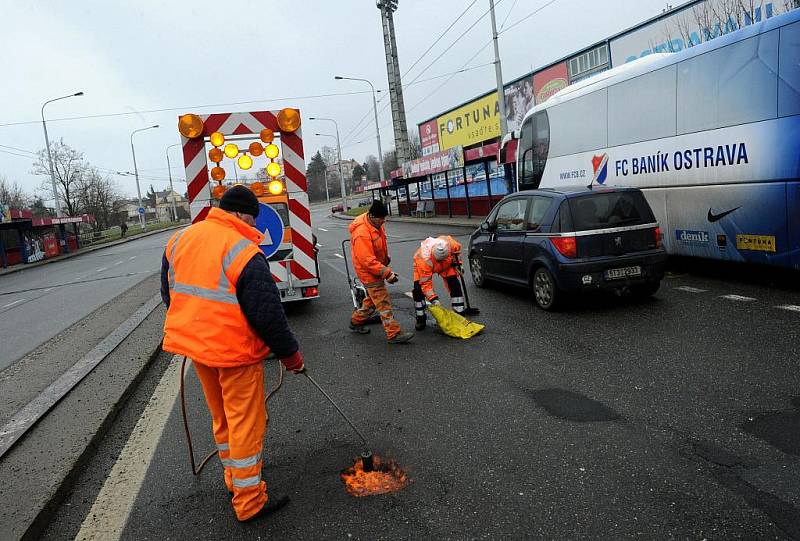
442	256
371	261
225	314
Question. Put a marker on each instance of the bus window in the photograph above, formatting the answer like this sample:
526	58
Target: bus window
642	108
732	85
789	75
525	151
580	124
541	145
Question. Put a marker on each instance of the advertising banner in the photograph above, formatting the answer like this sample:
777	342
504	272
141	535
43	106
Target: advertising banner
687	28
438	162
475	122
519	99
548	82
429	137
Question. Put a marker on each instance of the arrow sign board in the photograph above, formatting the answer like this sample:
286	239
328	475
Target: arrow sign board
270	224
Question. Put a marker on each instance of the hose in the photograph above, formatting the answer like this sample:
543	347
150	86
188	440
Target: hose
197	469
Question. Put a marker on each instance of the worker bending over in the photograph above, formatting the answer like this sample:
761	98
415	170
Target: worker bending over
225	314
442	256
371	261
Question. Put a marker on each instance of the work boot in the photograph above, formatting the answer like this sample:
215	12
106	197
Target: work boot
360	329
401	338
274	504
420	324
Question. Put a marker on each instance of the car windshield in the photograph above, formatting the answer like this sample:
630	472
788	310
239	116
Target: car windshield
610	209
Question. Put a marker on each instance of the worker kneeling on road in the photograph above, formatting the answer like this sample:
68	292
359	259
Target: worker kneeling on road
224	313
371	261
442	256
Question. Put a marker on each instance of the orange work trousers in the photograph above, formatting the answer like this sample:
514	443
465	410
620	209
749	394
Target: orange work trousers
377	299
235	398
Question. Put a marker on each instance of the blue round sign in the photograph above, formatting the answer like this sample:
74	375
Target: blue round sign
270	224
141	210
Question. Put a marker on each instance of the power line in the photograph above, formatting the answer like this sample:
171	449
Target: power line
508	14
188	108
446	30
528	16
19	150
464	33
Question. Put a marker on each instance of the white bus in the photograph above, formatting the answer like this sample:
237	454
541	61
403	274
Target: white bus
711	134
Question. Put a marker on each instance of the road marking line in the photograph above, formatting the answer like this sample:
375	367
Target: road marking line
340	256
322	229
101	269
334	267
110	511
118	263
690	289
13	303
131	258
790	307
740	298
409	294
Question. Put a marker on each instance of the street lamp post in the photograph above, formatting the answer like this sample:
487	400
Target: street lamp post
136	172
49	155
377	127
171	189
345	206
339	154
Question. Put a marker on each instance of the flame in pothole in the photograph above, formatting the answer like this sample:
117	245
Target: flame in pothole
386	476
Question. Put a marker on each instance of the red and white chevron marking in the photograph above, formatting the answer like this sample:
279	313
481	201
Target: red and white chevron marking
303	267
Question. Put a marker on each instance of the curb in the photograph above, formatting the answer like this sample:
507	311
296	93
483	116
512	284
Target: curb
21	267
42	519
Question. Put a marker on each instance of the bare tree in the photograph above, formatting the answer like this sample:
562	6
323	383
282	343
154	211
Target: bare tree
329	155
95	195
69	166
414	144
13	195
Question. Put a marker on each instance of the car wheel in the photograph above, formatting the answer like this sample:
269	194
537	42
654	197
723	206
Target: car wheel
545	290
643	291
476	270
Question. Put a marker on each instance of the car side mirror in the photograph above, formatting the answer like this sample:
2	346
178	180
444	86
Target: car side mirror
486	226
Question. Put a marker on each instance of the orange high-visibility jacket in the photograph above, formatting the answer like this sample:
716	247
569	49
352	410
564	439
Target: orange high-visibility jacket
425	265
370	252
204	320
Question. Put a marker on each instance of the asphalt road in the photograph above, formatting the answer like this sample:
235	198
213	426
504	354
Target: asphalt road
677	417
38	303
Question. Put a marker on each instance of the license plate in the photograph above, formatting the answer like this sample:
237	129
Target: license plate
625	272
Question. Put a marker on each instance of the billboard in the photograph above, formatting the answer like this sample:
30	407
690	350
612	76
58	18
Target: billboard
519	99
429	137
438	162
472	123
688	27
548	82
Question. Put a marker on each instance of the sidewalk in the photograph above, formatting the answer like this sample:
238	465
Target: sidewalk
456	221
22	267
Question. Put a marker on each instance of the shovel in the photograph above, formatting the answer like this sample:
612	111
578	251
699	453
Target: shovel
470	311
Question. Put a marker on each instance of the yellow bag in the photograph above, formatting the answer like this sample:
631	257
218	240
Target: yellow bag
453	324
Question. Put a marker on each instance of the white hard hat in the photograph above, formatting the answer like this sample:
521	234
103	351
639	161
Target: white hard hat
441	250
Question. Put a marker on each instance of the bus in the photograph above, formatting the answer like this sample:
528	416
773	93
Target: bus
710	134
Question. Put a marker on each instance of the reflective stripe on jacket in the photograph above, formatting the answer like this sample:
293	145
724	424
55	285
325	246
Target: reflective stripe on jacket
369	251
425	265
204	320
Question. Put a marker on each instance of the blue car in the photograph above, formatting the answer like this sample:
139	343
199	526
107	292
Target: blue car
565	241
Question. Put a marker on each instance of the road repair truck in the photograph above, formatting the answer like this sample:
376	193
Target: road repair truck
270	162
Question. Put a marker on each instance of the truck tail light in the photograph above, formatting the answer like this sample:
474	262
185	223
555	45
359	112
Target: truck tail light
657	233
566	246
311	292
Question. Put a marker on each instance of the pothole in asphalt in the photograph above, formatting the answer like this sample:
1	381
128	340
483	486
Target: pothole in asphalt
382	476
780	429
573	406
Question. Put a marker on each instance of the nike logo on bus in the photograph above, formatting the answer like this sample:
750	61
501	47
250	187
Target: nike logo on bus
717	217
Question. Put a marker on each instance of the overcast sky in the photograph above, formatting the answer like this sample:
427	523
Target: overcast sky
136	56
